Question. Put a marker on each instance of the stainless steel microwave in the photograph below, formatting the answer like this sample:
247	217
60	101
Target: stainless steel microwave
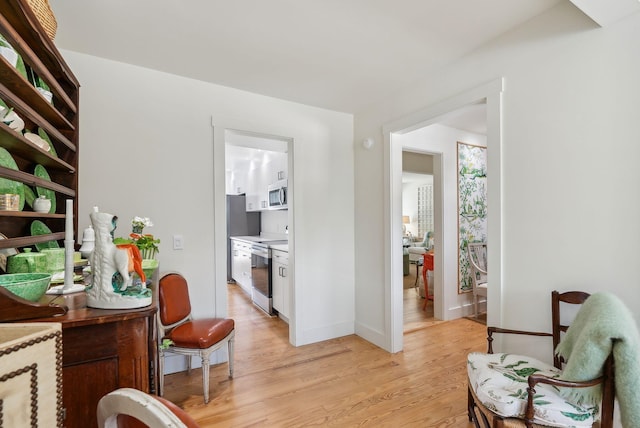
278	195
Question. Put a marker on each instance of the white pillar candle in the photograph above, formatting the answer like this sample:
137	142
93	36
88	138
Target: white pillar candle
68	245
68	224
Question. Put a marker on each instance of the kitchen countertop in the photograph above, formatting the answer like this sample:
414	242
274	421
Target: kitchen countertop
280	247
246	238
263	240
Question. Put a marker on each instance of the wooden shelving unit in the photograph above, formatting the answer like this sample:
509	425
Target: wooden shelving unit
102	349
59	119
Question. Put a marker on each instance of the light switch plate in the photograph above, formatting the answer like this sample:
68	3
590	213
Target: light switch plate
178	242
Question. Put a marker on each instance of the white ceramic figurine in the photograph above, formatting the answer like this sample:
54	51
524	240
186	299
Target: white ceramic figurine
111	267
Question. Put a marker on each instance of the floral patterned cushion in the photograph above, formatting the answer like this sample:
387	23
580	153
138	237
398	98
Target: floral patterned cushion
500	383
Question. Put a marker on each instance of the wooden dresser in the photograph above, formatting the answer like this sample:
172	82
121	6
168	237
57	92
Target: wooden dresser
102	350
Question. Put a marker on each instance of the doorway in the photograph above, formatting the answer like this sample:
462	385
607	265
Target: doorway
443	138
254	162
448	303
418	229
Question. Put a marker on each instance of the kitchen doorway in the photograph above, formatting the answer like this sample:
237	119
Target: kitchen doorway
257	181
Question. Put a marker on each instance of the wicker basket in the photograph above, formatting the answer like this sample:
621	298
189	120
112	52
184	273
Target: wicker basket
45	16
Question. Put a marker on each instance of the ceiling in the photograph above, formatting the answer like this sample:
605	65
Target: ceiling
337	54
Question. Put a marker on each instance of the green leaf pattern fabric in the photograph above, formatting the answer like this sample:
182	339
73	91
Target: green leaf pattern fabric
500	383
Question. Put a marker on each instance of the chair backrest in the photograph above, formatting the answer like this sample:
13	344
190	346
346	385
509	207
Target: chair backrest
568	298
558	327
132	408
428	240
173	297
477	252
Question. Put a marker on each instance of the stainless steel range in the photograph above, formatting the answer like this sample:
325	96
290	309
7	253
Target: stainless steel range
261	276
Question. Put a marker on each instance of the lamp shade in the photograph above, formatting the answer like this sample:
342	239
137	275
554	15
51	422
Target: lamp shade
405	219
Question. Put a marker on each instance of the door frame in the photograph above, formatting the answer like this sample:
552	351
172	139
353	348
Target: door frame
491	93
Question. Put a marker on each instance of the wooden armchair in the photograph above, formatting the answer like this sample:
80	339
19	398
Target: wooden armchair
509	411
477	252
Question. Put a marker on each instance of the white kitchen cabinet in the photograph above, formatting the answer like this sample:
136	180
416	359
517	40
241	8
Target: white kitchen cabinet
280	281
235	183
252	186
241	264
273	168
235	261
253	202
279	167
256	185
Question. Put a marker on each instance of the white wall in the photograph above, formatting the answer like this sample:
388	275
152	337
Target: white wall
568	172
146	149
274	223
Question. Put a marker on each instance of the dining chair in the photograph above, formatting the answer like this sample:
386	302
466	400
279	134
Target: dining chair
477	252
132	408
187	336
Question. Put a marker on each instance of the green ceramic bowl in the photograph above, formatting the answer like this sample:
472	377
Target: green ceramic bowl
29	286
149	266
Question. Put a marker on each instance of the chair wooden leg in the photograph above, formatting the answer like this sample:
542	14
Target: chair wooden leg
205	377
160	380
188	357
470	409
471	412
426	289
231	348
427	296
475	305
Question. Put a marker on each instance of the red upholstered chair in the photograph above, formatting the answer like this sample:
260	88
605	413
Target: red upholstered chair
132	408
427	264
190	337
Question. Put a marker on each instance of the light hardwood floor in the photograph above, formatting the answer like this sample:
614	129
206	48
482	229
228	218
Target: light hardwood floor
414	316
344	382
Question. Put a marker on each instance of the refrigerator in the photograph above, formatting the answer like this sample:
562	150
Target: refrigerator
239	223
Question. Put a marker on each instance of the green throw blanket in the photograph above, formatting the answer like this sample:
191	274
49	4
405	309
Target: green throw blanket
604	324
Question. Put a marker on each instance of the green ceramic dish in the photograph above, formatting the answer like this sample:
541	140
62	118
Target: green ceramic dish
149	266
29	286
22	69
29	196
42	133
10	186
39	228
41	172
5	253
